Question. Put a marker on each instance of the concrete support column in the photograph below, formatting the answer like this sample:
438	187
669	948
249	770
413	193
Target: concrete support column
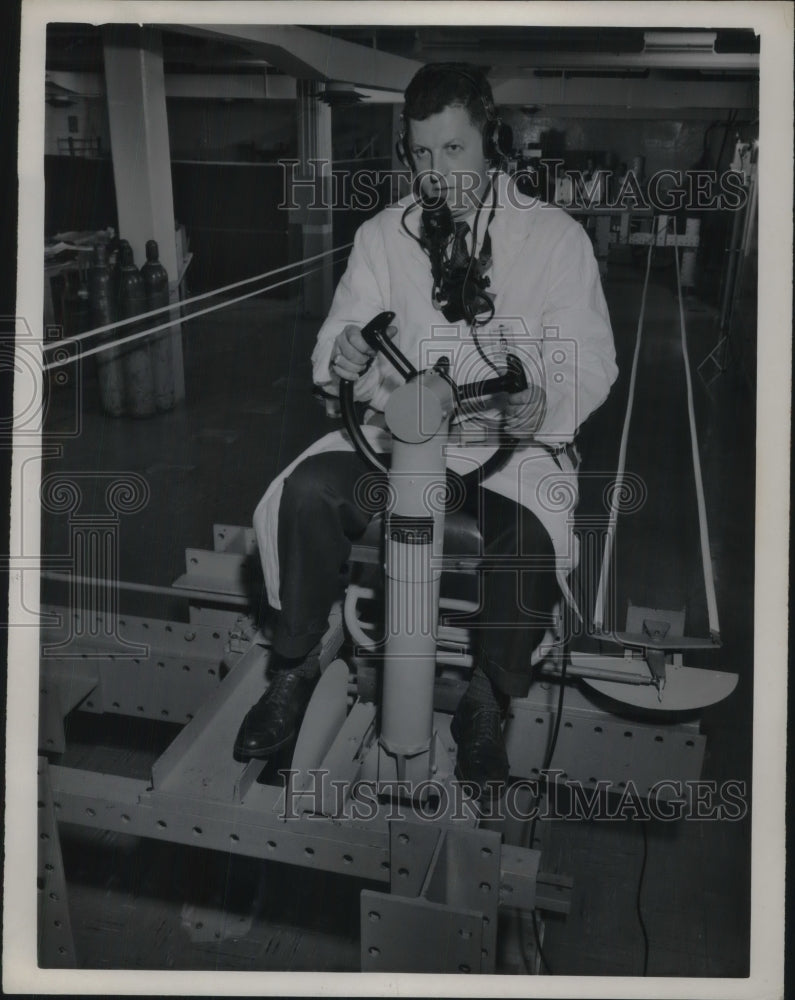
314	216
136	98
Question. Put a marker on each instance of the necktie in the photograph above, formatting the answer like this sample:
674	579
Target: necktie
459	255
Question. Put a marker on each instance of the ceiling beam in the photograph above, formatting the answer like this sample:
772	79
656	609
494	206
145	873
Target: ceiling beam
626	92
517	59
626	96
206	86
312	55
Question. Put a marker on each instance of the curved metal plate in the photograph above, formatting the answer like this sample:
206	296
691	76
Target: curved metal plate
323	719
686	688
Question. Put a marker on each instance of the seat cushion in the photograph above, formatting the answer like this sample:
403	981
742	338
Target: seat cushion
462	538
461	535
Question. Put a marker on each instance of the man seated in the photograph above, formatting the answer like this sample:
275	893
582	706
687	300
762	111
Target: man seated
468	259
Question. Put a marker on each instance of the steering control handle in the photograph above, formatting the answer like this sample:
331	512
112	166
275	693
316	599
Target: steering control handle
375	336
512	380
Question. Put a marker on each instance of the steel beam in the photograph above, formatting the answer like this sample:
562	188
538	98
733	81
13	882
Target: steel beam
62	686
258	827
167	672
200	760
596	746
55	944
519	877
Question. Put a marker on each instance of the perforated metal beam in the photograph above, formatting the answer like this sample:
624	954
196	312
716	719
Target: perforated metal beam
596	746
55	943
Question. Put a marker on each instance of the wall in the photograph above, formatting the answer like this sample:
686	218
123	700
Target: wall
235	227
92	125
79	193
674	143
362	125
230	242
231	131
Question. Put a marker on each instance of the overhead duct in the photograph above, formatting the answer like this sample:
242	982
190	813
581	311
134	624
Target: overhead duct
337	95
680	41
694	50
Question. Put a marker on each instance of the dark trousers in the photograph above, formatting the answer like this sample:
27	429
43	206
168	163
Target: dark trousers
318	521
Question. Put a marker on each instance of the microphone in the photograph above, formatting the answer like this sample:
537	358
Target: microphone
458	288
437	223
436	229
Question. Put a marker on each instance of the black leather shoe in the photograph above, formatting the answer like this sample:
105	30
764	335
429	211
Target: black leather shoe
481	759
276	717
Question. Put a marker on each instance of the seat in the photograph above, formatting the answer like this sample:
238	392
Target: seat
459	597
462	541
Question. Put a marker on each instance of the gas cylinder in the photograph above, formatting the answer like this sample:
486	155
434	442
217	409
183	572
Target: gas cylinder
77	309
103	312
113	252
155	278
137	363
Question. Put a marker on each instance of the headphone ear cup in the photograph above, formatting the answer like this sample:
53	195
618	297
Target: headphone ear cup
488	148
497	140
504	139
403	154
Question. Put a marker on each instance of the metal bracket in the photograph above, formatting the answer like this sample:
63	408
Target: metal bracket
450	924
656	626
447	886
656	661
718	359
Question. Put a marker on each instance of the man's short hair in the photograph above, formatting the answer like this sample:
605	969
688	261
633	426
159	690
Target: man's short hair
442	85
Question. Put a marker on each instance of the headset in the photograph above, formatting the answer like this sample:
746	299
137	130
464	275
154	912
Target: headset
497	136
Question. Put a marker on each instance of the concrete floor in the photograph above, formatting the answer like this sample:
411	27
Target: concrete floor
249	412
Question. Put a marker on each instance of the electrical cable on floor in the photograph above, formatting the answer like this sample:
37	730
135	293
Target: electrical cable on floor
637	900
547	764
539	949
599	608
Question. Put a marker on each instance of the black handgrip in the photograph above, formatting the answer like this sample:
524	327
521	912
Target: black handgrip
515	377
512	380
376	337
375	330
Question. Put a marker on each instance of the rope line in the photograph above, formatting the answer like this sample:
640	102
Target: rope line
599	608
164	326
196	298
703	528
706	562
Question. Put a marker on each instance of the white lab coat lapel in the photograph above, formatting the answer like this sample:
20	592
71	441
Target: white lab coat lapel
508	234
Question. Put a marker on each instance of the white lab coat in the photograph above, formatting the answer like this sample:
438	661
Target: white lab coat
549	311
